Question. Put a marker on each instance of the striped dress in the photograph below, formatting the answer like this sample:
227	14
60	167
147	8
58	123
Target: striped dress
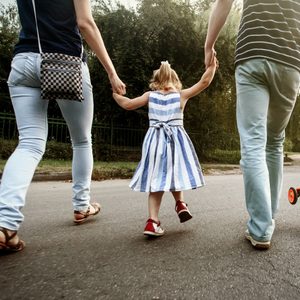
169	161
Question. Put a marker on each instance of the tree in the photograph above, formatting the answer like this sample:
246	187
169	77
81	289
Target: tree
9	28
167	30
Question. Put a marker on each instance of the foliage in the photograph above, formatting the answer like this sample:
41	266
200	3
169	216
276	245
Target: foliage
9	28
137	41
223	156
7	147
288	145
53	149
166	30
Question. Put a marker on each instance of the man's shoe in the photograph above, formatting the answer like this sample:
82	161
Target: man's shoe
257	244
153	228
182	211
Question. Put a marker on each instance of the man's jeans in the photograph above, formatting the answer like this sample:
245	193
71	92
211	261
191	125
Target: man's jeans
266	95
31	116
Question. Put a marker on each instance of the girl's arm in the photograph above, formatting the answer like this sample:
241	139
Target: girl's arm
92	35
202	84
130	104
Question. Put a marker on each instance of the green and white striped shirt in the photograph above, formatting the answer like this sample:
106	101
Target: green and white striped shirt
270	29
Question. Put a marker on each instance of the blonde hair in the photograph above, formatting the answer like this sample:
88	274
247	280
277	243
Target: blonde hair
165	78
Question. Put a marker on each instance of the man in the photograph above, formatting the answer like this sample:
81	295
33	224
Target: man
267	74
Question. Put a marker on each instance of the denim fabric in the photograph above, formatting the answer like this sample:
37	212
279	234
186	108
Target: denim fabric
266	95
31	116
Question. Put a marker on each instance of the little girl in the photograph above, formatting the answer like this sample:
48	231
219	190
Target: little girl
169	161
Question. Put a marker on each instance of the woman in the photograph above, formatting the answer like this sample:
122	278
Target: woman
59	24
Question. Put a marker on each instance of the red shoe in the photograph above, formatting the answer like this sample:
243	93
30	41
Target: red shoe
153	228
182	211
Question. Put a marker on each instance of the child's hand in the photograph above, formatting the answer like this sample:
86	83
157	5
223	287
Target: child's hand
215	63
116	96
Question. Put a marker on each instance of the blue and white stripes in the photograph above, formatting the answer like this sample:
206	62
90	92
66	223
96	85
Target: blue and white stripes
169	161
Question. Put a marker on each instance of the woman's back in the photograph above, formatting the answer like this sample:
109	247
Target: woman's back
57	27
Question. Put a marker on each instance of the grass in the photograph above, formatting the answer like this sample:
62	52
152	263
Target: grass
102	170
220	160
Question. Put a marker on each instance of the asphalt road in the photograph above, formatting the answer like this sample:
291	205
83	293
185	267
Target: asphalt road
109	258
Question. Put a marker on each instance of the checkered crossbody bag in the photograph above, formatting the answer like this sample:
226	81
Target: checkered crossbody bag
61	74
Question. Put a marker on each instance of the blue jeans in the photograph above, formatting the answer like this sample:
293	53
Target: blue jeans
266	95
31	116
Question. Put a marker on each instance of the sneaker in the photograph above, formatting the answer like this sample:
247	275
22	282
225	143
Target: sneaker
153	228
182	211
257	244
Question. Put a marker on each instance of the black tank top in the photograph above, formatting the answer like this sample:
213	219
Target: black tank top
57	27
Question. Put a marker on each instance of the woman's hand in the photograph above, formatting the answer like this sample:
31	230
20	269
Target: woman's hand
117	85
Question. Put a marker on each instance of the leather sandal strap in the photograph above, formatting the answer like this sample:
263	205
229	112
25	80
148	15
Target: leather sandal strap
88	210
6	235
83	213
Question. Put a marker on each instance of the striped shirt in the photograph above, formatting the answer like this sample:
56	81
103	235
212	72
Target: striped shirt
270	29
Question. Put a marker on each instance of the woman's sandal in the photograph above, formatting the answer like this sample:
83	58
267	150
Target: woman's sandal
6	247
81	216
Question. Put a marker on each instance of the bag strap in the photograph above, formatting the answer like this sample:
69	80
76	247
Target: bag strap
38	34
37	28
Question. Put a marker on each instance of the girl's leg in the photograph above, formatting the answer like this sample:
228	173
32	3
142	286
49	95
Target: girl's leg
153	227
178	196
154	202
31	116
79	117
181	207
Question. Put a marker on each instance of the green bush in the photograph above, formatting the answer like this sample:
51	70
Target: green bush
54	150
288	145
63	151
7	147
222	156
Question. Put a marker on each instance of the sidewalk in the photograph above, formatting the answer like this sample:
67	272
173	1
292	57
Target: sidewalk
108	258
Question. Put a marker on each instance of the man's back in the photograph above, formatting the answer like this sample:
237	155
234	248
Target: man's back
270	29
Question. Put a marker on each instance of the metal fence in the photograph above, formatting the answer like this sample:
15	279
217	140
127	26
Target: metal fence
112	137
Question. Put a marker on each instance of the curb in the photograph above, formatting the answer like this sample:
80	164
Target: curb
61	176
208	169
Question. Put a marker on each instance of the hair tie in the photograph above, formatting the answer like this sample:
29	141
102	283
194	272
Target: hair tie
165	62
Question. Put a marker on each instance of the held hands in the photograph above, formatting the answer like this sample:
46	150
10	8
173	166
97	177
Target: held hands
210	54
117	85
116	96
210	72
214	63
